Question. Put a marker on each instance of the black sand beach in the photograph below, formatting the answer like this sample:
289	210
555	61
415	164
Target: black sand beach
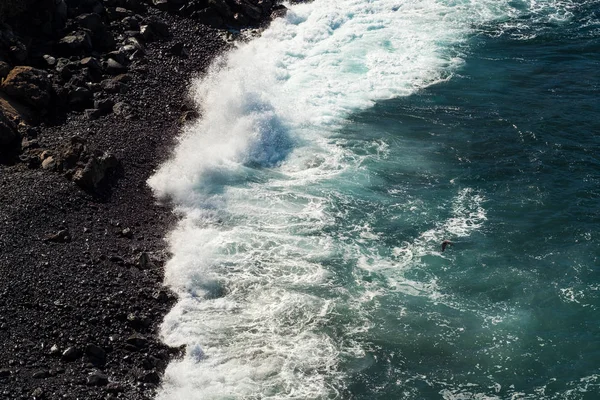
81	263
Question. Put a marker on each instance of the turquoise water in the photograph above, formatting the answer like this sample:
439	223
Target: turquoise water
335	154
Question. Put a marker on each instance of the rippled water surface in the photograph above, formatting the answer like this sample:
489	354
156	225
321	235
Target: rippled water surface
335	154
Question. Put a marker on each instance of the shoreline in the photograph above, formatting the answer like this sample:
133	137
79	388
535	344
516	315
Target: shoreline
81	311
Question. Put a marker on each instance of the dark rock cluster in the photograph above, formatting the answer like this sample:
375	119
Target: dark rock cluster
92	94
61	56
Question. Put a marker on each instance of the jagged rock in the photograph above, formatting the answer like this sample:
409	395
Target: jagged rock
63	236
76	43
113	86
97	378
94	171
72	152
29	85
91	62
71	354
80	97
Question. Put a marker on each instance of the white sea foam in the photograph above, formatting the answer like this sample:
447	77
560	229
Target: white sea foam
256	180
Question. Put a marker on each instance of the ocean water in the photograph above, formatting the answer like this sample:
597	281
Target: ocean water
333	156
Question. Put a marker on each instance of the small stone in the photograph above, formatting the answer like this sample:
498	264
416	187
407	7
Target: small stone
144	261
116	259
113	67
27	144
38	393
54	350
71	354
138	341
49	163
50	61
4	372
41	374
97	378
123	109
62	236
127	232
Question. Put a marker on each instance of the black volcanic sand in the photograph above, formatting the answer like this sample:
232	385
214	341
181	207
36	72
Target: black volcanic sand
79	319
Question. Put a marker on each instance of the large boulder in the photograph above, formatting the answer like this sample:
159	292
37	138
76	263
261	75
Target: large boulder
28	85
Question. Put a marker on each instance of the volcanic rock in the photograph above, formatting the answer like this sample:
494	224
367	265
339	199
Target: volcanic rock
29	85
76	43
95	171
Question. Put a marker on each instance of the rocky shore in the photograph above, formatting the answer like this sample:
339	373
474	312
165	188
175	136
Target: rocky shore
93	94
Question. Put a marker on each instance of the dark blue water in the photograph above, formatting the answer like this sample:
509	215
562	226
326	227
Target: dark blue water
520	125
